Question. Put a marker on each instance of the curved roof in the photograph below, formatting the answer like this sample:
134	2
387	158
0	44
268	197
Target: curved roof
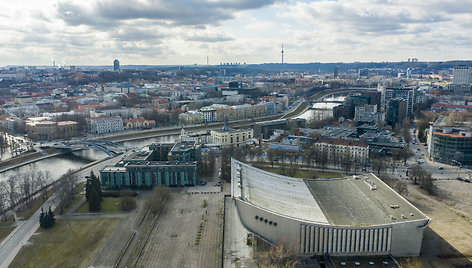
280	194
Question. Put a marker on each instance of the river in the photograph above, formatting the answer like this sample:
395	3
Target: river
59	165
323	110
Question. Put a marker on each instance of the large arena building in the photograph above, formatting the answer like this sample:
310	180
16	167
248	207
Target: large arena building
355	215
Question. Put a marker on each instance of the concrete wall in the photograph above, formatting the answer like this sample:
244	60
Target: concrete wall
307	238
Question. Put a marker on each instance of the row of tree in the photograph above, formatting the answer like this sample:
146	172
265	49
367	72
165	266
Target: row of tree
20	187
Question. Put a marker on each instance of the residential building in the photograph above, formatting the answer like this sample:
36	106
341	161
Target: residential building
231	137
191	117
368	113
407	94
340	149
138	123
105	124
461	75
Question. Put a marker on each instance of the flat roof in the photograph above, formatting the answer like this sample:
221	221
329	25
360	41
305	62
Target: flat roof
350	201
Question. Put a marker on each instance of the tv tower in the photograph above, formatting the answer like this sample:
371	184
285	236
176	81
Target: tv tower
282	53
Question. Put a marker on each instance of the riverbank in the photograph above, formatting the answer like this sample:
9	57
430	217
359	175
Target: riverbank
28	159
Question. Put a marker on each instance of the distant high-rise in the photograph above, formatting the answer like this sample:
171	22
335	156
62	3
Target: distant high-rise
116	65
396	111
461	75
336	72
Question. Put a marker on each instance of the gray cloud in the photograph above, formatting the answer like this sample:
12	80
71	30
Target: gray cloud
382	18
210	38
110	13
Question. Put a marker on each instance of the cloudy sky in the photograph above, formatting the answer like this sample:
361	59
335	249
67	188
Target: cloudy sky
94	32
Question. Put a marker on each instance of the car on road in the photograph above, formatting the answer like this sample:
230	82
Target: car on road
441	168
460	179
203	183
467	180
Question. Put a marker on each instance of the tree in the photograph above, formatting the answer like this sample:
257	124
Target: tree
277	256
426	183
401	188
93	183
65	190
155	202
271	157
378	164
94	201
12	179
127	203
46	220
3	200
415	172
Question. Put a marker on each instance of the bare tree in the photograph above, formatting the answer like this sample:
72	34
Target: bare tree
271	156
3	200
25	184
276	256
415	172
378	164
426	182
401	188
13	195
155	202
65	190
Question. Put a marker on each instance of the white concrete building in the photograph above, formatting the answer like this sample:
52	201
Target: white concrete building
231	137
350	216
461	75
105	124
357	151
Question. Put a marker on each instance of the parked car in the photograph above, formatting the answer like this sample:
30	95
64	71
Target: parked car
467	180
203	182
460	179
440	168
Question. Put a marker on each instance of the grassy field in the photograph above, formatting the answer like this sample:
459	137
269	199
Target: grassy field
109	204
303	173
4	232
69	243
10	220
33	206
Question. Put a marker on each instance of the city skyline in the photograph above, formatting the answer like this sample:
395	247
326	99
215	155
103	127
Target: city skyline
186	32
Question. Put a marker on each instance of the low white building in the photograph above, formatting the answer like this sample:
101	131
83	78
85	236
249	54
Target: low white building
357	151
231	137
105	124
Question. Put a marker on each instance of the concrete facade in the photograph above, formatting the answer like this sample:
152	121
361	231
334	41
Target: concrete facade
278	221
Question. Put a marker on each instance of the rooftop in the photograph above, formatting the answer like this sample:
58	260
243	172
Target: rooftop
286	196
350	201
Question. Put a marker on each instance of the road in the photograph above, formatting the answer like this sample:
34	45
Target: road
421	153
22	233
